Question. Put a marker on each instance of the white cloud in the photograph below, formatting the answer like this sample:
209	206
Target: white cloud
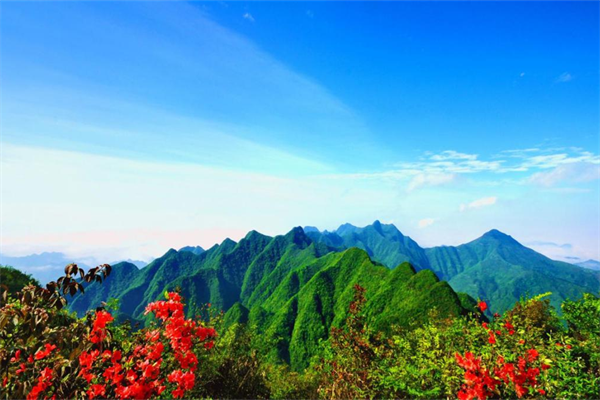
429	180
483	202
452	155
249	17
564	77
426	222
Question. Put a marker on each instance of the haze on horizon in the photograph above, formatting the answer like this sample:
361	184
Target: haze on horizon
128	128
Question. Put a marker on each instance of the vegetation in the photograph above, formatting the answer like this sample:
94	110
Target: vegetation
529	352
15	280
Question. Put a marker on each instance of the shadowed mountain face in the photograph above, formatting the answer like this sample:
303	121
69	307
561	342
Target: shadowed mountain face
292	288
494	267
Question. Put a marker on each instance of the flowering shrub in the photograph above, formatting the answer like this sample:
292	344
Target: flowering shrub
496	375
526	353
164	358
51	354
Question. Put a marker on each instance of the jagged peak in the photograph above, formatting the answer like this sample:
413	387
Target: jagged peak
298	236
253	234
228	242
308	229
193	249
345	228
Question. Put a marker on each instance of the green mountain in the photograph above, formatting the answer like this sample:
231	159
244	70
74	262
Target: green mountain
193	249
383	242
494	267
290	287
499	269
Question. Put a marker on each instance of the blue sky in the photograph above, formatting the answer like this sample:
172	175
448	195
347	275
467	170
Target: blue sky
132	127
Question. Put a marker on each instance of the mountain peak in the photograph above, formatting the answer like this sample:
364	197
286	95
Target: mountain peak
252	234
298	236
193	249
496	235
308	229
345	228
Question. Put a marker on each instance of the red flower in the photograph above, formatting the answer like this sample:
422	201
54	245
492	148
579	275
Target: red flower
485	325
492	338
98	329
482	306
96	390
532	355
43	353
17	356
569	347
541	391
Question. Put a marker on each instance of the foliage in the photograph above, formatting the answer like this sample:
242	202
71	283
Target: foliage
525	353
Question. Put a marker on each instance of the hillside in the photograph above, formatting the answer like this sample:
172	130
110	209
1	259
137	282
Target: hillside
494	267
15	280
290	287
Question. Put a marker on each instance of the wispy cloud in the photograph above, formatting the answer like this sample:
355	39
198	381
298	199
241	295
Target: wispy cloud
483	202
545	166
572	172
425	222
564	77
249	17
203	72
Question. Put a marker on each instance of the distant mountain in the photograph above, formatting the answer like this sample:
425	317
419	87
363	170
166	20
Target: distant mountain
44	267
290	286
193	249
494	267
137	263
590	264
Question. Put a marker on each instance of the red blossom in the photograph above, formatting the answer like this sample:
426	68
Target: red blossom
44	353
482	306
17	356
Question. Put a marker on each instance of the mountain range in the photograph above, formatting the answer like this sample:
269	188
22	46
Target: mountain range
494	267
47	266
294	287
290	287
